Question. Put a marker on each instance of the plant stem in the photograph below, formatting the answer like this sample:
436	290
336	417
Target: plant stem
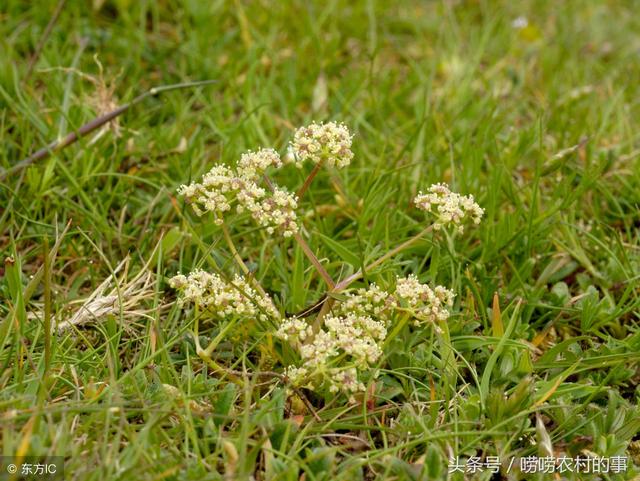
205	354
96	123
219	369
354	277
324	310
196	332
44	38
214	342
308	180
397	329
314	260
306	249
238	258
47	308
342	285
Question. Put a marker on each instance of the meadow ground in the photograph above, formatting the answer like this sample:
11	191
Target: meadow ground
530	106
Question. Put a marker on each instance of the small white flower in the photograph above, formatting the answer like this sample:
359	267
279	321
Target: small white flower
221	298
354	339
214	194
372	301
222	187
520	22
351	341
325	142
346	380
425	303
273	210
449	207
253	164
296	374
294	329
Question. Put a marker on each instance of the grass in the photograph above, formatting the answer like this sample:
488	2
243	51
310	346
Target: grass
540	123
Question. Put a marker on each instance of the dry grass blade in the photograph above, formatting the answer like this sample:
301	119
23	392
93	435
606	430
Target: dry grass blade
126	297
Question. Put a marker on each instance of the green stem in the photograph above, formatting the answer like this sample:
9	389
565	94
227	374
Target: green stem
306	249
214	343
342	285
205	354
47	308
354	277
236	256
397	329
196	332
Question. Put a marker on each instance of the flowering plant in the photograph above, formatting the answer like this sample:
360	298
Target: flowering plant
341	349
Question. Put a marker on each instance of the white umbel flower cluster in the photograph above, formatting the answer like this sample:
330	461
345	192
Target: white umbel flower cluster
354	339
343	379
426	304
351	340
221	298
325	142
223	187
358	336
275	210
370	301
297	375
253	164
449	207
294	329
214	194
346	380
